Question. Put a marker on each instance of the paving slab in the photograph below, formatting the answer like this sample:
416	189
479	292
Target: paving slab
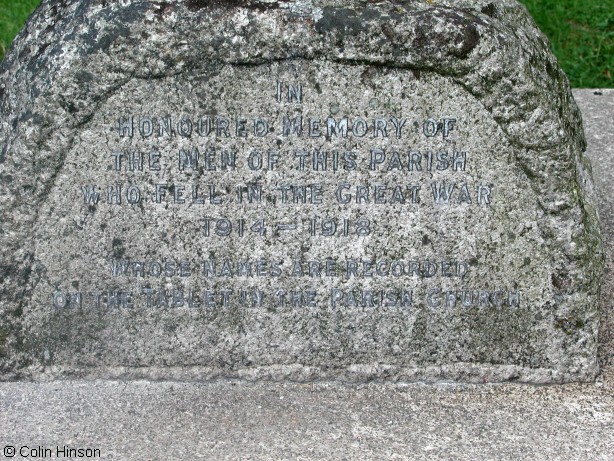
272	420
242	420
597	108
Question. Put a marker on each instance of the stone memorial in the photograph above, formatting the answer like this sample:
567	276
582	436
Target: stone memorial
300	190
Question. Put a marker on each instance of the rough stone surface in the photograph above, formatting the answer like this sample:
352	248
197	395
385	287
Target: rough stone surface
238	420
87	90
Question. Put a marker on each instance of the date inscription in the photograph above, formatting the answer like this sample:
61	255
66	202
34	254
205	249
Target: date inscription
216	166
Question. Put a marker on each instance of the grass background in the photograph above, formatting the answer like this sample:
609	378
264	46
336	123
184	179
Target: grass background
581	33
13	15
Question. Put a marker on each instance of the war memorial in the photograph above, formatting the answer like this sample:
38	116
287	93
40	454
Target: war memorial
309	199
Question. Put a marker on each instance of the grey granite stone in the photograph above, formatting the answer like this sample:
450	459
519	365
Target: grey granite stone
294	190
317	421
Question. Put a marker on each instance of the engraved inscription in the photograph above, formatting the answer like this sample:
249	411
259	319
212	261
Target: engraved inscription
292	172
178	297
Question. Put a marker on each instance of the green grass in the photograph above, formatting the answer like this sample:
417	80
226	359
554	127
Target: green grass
582	36
13	15
581	33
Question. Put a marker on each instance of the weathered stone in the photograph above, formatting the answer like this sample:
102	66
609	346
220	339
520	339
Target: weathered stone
301	190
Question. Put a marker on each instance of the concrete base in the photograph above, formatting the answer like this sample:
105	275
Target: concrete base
243	420
239	420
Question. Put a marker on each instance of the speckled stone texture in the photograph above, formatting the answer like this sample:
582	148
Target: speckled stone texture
294	190
228	419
